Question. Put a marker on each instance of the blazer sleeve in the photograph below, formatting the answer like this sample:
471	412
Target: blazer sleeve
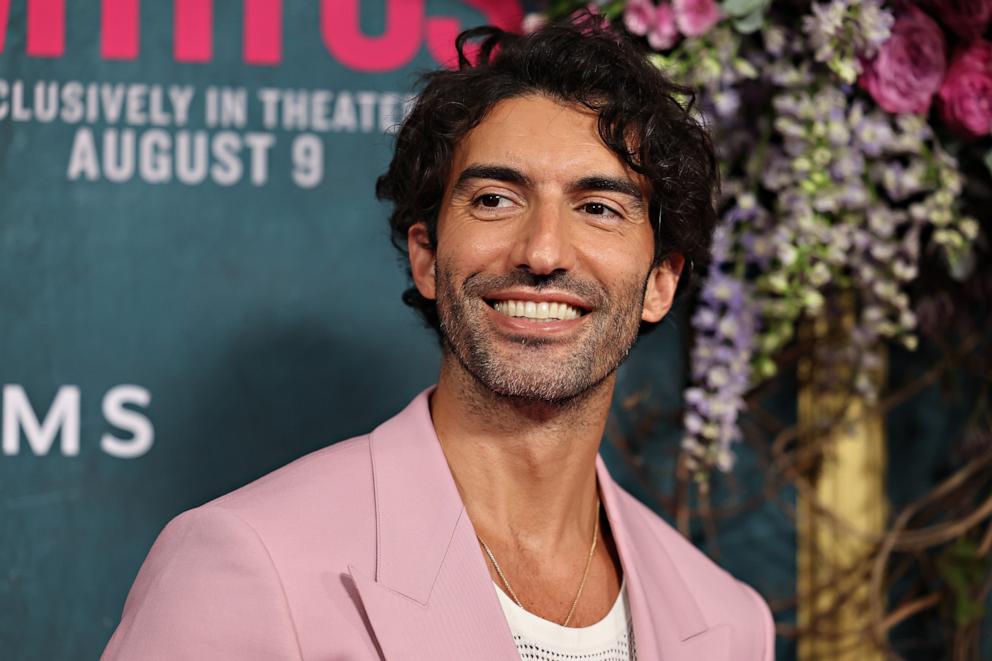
207	590
766	626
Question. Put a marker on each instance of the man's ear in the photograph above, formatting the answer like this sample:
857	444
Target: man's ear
422	260
660	291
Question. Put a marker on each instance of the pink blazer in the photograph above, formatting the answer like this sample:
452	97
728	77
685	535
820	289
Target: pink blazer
363	550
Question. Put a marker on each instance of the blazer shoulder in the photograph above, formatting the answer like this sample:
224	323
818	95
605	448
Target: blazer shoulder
208	577
255	563
340	470
321	505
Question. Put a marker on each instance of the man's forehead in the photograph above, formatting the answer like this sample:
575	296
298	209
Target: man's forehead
542	137
541	112
534	120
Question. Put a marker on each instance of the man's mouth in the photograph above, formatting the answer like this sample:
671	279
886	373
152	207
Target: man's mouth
537	310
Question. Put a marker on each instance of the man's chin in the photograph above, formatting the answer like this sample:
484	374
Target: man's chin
537	395
529	369
533	386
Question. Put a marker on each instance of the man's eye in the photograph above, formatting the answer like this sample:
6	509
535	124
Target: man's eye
599	209
491	201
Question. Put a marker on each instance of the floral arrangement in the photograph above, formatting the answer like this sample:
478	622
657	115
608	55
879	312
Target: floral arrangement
840	127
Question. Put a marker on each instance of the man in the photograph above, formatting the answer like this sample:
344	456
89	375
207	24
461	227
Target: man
548	198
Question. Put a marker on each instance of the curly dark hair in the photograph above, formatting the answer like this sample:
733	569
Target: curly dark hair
641	119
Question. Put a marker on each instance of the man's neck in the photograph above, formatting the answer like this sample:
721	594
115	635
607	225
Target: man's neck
525	469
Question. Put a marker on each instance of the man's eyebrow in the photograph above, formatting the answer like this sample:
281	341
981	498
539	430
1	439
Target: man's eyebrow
510	175
623	186
487	171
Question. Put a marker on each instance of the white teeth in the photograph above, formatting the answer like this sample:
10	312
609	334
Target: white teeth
538	311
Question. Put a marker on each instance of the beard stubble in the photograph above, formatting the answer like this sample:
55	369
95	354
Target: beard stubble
546	370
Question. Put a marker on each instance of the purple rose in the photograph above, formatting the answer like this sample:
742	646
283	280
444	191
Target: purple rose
966	18
909	66
966	95
695	17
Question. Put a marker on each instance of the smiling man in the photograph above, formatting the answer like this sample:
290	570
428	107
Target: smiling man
548	197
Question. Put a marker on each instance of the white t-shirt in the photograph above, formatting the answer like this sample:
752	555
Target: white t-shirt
537	639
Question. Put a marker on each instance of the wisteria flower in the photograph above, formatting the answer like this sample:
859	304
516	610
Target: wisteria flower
843	32
725	325
909	67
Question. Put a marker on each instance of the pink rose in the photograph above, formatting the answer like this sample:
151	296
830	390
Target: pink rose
695	17
591	13
658	23
663	33
966	95
909	66
967	18
638	17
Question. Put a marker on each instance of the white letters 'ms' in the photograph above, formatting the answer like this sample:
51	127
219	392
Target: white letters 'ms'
63	417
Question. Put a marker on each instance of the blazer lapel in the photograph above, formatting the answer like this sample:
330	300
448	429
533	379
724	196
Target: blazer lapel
666	619
431	597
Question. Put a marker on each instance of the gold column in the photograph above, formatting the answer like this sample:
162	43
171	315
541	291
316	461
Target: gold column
846	439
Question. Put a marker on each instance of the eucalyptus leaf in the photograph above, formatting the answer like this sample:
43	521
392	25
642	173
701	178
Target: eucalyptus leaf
739	8
960	263
750	23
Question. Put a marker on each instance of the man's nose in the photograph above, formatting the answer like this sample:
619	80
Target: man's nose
544	241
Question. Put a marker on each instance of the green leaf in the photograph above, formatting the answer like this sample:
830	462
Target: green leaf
750	23
988	160
562	8
613	9
743	7
963	570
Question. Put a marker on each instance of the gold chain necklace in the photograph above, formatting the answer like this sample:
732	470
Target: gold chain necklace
582	583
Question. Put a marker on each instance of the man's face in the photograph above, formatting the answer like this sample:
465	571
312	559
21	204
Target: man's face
542	272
